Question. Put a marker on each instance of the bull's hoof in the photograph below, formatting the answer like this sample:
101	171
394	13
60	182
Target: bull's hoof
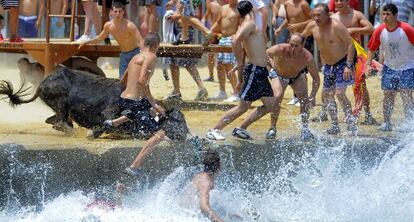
63	127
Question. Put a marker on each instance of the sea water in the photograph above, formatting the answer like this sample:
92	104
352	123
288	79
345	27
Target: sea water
328	185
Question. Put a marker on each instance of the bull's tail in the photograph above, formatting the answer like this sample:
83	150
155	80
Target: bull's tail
16	98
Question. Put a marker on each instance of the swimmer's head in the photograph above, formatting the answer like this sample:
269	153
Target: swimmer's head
152	41
211	161
244	8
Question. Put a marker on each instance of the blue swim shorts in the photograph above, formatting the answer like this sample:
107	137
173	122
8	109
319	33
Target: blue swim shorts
334	75
125	58
255	83
397	79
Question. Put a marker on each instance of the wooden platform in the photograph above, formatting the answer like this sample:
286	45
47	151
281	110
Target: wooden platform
59	50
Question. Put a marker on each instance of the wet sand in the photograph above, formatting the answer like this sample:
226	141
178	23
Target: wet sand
25	125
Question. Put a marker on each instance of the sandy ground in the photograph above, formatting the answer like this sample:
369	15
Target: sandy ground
25	124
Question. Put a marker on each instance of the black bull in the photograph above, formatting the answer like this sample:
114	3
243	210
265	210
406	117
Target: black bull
88	100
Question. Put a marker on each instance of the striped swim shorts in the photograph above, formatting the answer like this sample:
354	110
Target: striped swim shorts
226	58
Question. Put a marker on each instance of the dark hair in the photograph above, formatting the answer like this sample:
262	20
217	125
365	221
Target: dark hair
324	6
152	39
1	17
391	8
244	8
211	161
302	38
117	4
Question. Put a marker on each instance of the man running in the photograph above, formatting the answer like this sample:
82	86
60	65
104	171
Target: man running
255	75
291	62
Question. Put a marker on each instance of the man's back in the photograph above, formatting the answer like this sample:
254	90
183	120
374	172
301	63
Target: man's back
255	45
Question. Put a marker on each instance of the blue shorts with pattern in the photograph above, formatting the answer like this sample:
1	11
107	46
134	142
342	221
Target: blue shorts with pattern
55	30
397	79
333	76
226	58
125	58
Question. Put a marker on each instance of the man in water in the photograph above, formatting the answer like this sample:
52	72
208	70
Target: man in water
126	34
357	26
337	53
291	62
396	39
256	84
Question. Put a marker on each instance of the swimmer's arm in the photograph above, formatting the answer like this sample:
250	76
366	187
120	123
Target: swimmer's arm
314	73
204	192
365	28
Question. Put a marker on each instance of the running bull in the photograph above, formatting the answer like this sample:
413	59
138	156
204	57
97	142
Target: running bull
88	100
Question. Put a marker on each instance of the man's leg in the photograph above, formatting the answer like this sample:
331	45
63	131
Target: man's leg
147	148
211	62
278	88
332	109
388	106
92	12
232	78
221	75
369	119
233	114
407	99
300	88
259	112
202	91
151	18
175	78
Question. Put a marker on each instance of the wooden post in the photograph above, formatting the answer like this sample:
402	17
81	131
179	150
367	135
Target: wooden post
47	21
72	21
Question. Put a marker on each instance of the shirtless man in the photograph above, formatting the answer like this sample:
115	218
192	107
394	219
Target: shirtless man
212	14
256	84
57	25
357	26
298	15
227	23
13	8
337	53
136	100
125	33
30	17
279	17
291	62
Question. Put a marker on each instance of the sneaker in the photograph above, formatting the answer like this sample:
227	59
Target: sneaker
201	95
271	133
133	171
306	134
221	95
215	134
232	99
16	38
180	42
333	130
241	133
209	79
320	117
385	127
83	38
369	120
293	101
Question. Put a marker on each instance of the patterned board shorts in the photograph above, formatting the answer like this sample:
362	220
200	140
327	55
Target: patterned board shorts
6	4
226	58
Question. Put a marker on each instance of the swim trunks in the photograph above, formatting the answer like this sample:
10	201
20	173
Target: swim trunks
7	4
149	2
397	79
256	83
27	26
125	58
226	58
334	75
139	111
288	81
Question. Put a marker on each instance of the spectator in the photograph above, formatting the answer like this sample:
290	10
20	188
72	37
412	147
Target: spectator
30	17
57	25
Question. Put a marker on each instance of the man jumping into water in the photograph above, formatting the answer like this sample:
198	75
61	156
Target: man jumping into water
291	62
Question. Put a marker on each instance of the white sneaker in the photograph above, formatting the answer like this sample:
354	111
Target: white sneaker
221	95
215	134
293	101
232	99
83	38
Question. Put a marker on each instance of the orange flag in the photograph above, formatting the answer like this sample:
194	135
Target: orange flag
360	86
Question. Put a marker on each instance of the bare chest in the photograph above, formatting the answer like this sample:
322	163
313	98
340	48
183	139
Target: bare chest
349	21
28	7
